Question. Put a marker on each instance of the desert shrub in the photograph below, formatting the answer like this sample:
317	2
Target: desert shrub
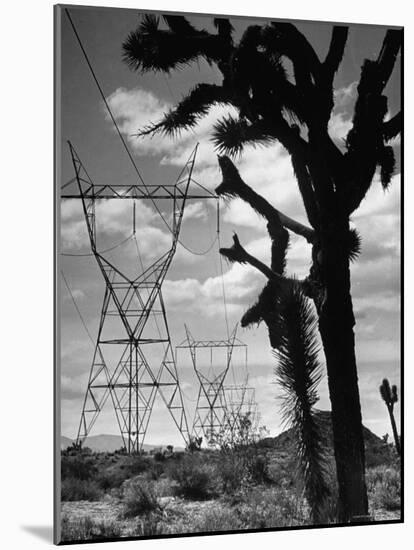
138	496
156	470
113	474
260	509
165	487
78	465
240	466
133	465
257	468
110	478
159	456
233	472
86	529
281	474
148	526
217	519
384	487
76	489
196	479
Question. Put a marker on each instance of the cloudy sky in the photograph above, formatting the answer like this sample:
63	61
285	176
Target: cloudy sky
193	288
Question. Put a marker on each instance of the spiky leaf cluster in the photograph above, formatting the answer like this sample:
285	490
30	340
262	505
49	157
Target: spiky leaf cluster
354	244
230	135
388	393
150	48
273	104
299	372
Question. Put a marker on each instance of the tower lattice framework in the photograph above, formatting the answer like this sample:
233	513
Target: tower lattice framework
214	413
241	409
133	327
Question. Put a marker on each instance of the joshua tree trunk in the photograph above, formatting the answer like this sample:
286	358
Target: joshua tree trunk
336	324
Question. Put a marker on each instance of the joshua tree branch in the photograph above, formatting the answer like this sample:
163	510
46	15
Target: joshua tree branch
180	24
151	48
286	134
233	185
279	236
231	134
238	254
189	110
366	138
392	127
388	55
286	39
306	190
336	51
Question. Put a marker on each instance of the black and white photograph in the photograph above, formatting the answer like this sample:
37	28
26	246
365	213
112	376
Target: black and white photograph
228	231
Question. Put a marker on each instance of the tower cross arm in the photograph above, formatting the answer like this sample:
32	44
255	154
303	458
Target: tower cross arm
117	191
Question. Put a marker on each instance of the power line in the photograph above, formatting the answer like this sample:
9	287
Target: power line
77	308
223	290
203	253
101	251
121	137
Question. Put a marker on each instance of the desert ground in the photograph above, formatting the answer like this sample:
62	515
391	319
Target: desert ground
113	494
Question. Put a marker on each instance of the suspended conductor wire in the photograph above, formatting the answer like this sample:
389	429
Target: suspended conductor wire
187	398
223	287
203	253
226	317
77	308
121	137
101	251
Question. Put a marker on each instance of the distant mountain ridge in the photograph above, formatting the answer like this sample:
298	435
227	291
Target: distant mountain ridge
105	443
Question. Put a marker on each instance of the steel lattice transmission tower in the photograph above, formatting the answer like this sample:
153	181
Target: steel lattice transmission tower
133	326
241	407
211	419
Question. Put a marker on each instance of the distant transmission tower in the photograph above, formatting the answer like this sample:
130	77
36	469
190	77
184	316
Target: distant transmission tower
241	407
123	366
211	419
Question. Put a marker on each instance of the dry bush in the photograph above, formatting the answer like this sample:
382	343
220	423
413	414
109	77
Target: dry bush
216	520
85	528
267	508
78	464
257	467
76	489
138	497
148	526
233	472
384	487
281	473
165	487
195	477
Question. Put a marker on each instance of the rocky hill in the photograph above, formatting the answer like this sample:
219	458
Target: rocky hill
376	451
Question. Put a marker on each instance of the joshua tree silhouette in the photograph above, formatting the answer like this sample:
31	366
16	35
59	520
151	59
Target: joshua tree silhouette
294	111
